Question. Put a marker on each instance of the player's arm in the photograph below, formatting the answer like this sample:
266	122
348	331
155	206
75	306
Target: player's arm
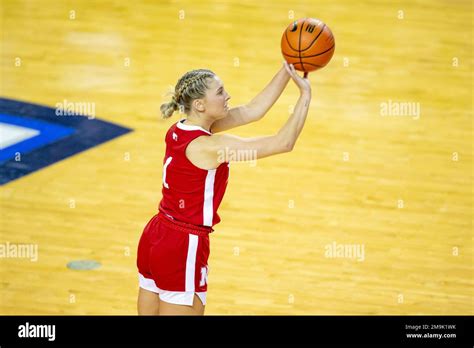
257	107
224	148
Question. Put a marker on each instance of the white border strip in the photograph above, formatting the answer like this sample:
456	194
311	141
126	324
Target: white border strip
183	126
191	262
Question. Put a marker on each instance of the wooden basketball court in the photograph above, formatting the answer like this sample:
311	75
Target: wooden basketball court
383	168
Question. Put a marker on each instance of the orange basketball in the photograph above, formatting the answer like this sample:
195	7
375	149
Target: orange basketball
308	44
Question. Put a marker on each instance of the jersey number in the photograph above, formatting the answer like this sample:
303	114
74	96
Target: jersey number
167	163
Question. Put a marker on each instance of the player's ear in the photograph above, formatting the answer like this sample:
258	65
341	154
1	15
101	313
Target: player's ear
199	105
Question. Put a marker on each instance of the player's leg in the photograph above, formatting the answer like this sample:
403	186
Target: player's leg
148	302
178	261
197	308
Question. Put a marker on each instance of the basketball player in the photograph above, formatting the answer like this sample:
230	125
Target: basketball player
174	248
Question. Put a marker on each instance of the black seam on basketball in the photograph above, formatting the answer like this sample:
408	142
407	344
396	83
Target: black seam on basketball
299	44
286	36
311	44
314	55
319	66
291	61
302	67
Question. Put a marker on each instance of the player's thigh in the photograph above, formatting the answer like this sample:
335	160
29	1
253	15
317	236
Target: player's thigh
174	309
148	302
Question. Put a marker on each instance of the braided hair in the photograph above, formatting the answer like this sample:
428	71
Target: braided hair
190	86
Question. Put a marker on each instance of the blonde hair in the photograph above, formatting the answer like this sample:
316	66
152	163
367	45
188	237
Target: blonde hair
190	86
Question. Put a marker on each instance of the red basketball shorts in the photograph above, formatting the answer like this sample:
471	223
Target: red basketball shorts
172	260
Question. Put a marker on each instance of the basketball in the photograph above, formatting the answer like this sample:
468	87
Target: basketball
308	44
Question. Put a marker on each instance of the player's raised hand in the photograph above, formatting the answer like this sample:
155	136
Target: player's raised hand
302	82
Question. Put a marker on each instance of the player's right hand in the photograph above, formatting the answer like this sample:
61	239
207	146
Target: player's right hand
302	82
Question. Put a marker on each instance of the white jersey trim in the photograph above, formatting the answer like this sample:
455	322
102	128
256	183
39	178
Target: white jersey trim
183	126
208	209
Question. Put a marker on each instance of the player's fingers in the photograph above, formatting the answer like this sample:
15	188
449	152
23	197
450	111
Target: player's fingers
288	68
294	73
291	71
297	77
300	82
293	68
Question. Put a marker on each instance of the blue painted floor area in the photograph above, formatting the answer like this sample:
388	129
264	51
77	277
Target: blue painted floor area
47	138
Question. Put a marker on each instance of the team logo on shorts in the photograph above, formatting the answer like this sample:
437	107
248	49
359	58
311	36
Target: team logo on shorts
204	273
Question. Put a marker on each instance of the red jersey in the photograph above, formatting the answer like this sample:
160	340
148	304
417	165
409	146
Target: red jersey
190	194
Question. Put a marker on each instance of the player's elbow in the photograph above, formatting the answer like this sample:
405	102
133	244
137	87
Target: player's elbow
287	146
283	143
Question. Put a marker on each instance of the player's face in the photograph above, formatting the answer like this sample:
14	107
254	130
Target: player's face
216	99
